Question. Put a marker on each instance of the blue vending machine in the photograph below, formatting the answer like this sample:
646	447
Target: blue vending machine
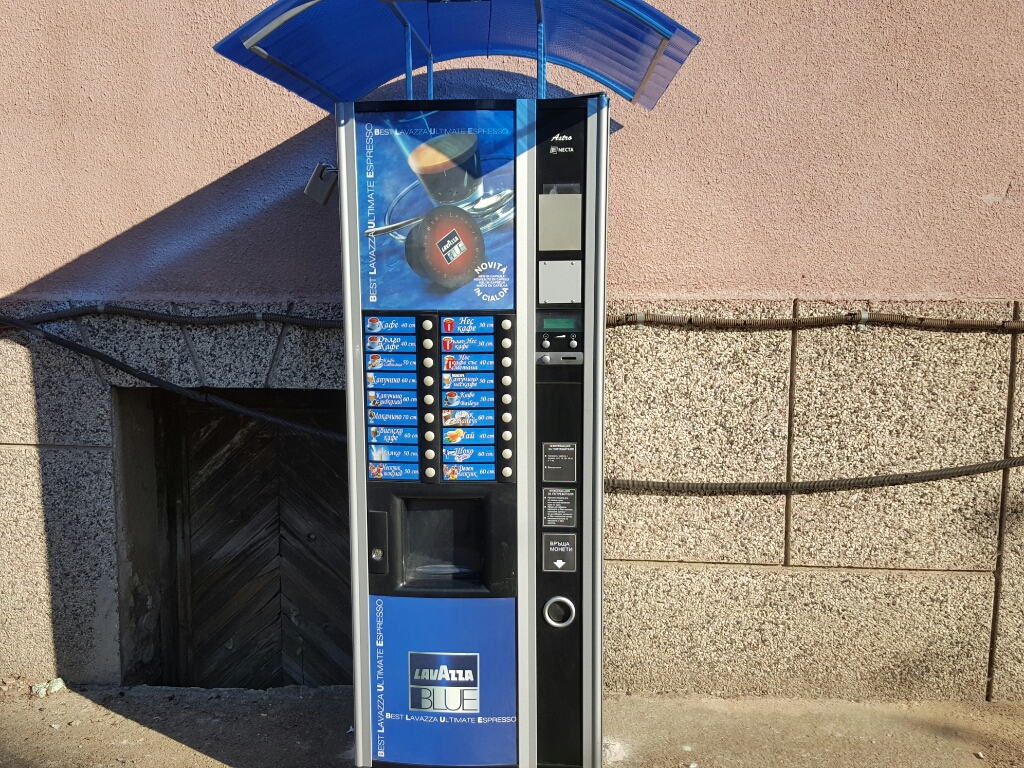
473	241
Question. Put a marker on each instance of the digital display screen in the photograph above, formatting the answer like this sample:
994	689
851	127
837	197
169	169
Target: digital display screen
559	323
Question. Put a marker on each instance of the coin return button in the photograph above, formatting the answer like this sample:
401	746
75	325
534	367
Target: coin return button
559	612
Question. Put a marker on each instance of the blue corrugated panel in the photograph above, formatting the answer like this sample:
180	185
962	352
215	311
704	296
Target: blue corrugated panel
350	47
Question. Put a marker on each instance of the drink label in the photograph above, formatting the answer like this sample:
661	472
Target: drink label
379	380
391	399
375	342
469	454
404	453
384	416
388	471
373	324
456	398
468	471
466	381
392	435
467	343
462	362
467	325
460	436
383	362
462	418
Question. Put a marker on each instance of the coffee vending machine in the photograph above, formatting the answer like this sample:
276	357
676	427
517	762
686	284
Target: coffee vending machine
473	246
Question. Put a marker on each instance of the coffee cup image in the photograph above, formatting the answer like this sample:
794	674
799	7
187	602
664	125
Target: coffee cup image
451	399
375	361
373	342
446	247
449	362
448	167
373	324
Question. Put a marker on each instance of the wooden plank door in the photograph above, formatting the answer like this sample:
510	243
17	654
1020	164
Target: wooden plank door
265	593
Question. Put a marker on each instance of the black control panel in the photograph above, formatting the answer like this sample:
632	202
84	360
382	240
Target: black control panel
559	353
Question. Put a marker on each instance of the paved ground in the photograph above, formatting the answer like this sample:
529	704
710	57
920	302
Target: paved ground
175	727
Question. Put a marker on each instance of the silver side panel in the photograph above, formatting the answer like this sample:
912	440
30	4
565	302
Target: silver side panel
526	261
347	170
598	132
592	331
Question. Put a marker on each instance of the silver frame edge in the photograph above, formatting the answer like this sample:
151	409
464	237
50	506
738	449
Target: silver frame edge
526	413
349	214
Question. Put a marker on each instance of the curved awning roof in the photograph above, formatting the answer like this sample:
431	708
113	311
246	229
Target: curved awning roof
340	50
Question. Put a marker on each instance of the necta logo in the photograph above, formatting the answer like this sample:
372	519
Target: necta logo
444	682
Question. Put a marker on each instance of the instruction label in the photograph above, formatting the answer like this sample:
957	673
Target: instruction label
559	507
559	462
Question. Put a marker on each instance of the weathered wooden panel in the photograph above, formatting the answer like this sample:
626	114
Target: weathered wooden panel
266	532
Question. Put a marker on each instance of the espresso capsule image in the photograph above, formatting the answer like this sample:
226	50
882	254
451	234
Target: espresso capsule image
446	247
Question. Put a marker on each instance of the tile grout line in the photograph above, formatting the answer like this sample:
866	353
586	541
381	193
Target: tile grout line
1003	494
781	568
87	340
56	447
272	368
788	531
187	336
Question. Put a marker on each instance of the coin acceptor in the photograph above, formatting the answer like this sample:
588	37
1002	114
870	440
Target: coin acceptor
473	240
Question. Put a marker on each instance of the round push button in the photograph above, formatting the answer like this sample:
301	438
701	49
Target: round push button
506	324
427	325
429	418
507	453
506	362
573	344
506	472
506	381
506	435
429	454
506	343
428	381
428	436
559	612
428	343
429	471
428	362
545	343
506	417
428	399
506	398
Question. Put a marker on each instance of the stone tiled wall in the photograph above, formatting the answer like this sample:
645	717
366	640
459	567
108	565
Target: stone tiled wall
886	593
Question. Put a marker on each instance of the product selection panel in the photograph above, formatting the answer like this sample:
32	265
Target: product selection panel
440	397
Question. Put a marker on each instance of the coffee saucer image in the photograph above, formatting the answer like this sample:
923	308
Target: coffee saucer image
494	207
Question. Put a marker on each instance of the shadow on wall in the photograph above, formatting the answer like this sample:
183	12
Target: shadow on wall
252	234
249	236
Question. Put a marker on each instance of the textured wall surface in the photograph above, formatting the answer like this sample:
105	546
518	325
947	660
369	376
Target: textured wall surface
806	149
58	540
870	594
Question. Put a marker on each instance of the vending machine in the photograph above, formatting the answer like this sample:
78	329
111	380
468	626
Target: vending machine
473	247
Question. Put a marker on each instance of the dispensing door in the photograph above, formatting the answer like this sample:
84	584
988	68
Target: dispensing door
475	584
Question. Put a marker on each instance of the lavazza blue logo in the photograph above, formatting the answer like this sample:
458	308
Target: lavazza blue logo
444	682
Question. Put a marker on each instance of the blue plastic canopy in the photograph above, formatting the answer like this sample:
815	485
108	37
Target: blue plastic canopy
329	51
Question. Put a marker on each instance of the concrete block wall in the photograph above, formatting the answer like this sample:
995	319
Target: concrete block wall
887	593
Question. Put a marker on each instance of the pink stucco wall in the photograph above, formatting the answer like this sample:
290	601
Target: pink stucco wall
815	149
